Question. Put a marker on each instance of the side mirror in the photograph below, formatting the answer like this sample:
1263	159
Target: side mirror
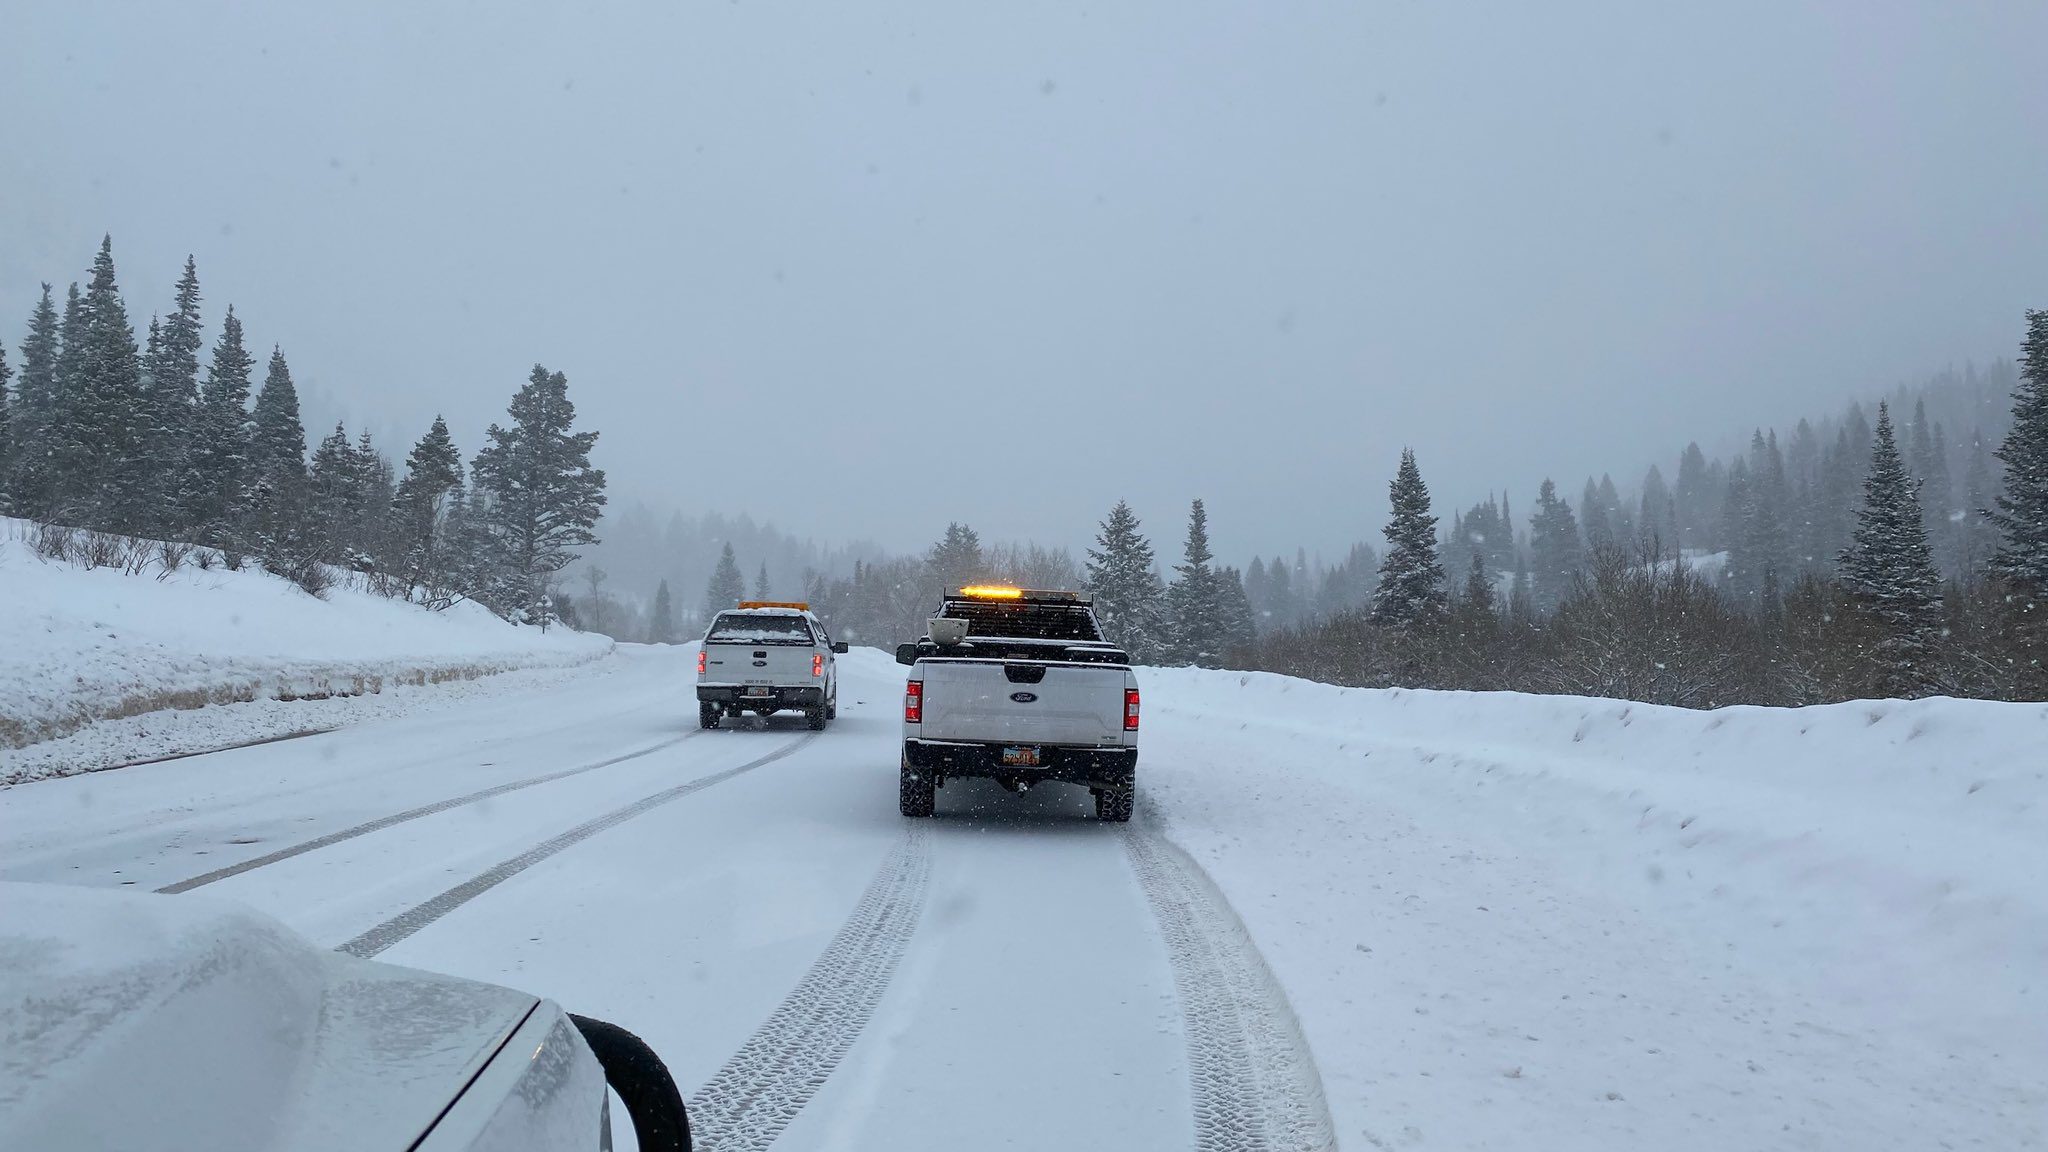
906	653
839	646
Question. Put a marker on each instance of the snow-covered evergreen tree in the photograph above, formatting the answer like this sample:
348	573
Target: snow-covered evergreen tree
218	500
2021	514
1478	594
1194	604
761	582
1554	549
29	481
174	412
544	495
1240	626
107	423
277	469
331	496
6	432
727	586
661	619
1123	579
419	508
1411	588
1888	566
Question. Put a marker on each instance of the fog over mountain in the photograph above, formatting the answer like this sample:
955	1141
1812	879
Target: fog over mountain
794	259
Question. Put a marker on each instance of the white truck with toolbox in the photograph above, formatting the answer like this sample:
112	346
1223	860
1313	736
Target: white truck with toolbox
767	656
1019	687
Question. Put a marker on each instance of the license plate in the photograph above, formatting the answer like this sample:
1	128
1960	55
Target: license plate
760	691
1020	756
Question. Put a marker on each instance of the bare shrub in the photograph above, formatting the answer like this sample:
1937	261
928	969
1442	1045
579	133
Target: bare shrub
171	556
53	541
98	549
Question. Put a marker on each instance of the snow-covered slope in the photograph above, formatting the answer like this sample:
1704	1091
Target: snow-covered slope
1600	924
83	646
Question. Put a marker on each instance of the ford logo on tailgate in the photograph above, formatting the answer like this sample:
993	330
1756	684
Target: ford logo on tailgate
1024	697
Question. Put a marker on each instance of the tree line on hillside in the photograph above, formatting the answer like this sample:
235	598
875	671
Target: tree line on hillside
147	441
1922	595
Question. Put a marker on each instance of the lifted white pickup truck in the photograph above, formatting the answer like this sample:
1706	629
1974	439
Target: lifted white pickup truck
1019	687
767	656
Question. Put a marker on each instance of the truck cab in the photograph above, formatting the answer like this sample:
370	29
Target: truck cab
765	657
1020	687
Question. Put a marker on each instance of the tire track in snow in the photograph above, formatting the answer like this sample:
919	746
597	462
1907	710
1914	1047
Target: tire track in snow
762	1087
384	822
413	919
1254	1081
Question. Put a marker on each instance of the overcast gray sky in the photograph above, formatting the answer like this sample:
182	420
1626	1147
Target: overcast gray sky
1008	263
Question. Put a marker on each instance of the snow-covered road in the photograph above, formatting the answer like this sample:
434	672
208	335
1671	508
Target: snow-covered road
1483	945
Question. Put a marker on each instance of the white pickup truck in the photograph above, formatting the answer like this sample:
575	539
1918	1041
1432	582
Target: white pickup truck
1019	687
765	657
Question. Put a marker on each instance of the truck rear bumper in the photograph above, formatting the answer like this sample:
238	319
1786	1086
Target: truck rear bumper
1094	767
779	696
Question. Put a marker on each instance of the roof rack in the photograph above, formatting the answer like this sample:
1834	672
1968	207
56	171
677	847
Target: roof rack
799	605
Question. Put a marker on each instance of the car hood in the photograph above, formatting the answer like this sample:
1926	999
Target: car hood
138	1021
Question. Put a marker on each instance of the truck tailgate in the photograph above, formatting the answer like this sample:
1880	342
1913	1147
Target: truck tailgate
1023	702
757	664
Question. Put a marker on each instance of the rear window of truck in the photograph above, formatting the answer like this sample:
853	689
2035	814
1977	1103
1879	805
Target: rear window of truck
733	628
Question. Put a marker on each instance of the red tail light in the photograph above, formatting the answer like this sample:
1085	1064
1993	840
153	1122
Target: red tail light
1130	709
817	663
913	702
700	661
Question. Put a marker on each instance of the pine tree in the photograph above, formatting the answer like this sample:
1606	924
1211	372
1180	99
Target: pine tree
1411	588
1693	502
1478	595
277	467
2021	512
330	495
6	432
761	582
545	496
218	499
1658	515
29	480
727	586
661	620
68	437
174	410
433	474
1194	604
367	529
1554	545
956	560
1593	522
108	470
1126	587
1888	566
1240	626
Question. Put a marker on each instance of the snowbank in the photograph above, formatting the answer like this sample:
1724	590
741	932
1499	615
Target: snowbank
84	646
1533	921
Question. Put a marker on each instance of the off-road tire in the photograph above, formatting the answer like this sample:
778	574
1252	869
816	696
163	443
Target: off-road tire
814	719
1114	803
708	715
917	793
